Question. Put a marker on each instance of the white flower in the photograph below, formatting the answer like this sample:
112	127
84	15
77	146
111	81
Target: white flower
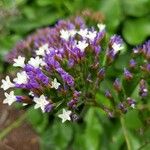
91	35
22	78
64	34
31	93
10	98
41	102
117	47
65	115
24	104
6	84
133	105
55	84
72	32
101	27
82	45
19	62
83	32
41	51
35	62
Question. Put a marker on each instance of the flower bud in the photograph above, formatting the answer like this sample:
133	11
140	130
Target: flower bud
108	94
143	91
101	73
117	85
127	74
132	63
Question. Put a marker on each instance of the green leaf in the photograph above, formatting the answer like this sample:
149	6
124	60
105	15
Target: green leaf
135	31
38	120
57	136
132	120
136	8
112	12
93	131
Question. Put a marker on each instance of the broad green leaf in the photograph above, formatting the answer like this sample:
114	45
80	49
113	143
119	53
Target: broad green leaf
112	12
57	136
136	8
37	119
93	131
135	31
132	120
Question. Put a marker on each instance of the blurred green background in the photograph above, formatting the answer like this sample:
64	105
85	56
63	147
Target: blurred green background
129	18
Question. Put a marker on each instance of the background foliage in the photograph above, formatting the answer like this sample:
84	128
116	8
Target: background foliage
129	18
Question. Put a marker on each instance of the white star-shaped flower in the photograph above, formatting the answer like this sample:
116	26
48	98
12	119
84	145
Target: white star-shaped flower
64	34
41	51
117	47
31	93
41	102
10	98
82	45
133	106
22	78
65	115
6	84
35	62
19	62
91	35
83	32
72	32
101	27
55	84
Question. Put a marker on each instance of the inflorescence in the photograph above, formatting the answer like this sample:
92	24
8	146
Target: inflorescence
62	68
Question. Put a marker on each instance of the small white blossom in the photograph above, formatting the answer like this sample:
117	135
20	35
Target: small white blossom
117	47
83	32
55	84
133	105
24	104
6	84
64	34
91	35
31	93
41	51
19	62
41	102
101	27
82	45
65	115
10	98
72	32
35	62
22	78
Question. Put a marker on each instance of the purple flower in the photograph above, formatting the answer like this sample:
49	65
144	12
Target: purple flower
117	85
132	63
143	91
127	74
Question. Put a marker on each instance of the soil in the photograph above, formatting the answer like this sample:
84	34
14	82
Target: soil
21	138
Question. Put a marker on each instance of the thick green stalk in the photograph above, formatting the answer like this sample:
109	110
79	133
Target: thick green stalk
125	132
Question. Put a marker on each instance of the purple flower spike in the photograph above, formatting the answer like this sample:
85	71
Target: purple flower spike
101	73
117	85
127	74
131	102
143	91
122	107
108	94
132	63
49	107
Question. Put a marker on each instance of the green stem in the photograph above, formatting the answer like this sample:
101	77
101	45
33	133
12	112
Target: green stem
14	125
125	132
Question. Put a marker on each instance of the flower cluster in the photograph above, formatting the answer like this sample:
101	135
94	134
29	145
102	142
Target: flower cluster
66	65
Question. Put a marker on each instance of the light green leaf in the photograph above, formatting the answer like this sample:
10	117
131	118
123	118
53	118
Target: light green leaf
136	8
135	31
